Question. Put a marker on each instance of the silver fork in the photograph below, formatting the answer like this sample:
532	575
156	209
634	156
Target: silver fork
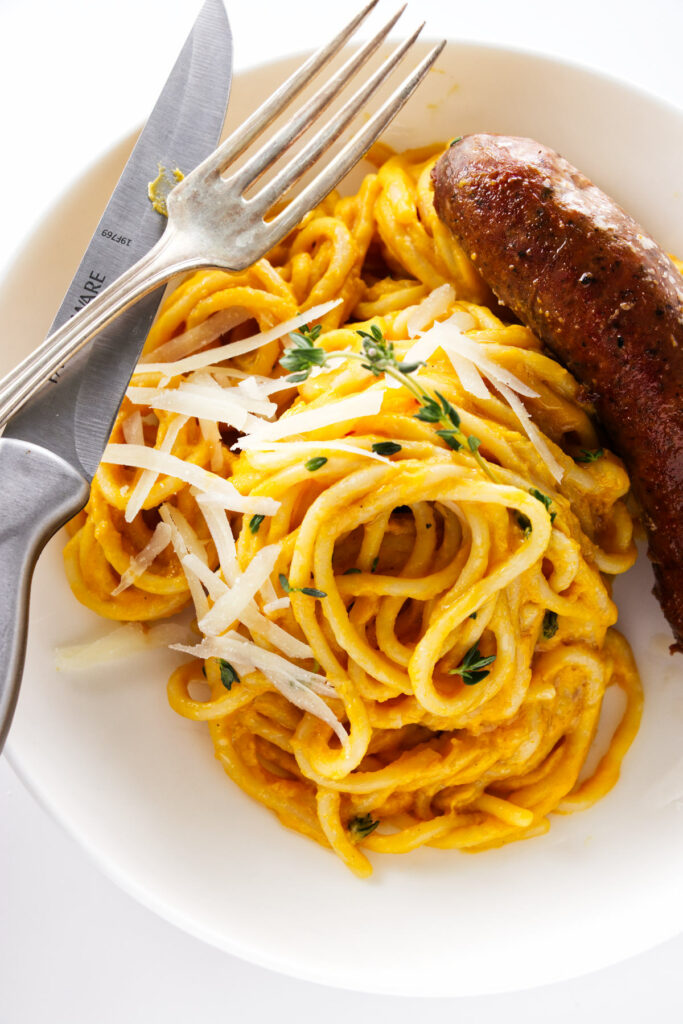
202	204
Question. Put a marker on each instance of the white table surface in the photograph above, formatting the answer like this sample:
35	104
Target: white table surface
75	75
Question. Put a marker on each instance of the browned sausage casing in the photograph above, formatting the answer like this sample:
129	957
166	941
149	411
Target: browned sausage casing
601	294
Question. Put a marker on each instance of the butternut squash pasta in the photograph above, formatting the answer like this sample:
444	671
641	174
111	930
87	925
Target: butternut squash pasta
395	524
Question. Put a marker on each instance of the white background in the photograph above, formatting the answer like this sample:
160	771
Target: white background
76	75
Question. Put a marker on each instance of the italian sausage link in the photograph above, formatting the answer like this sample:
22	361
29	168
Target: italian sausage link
601	294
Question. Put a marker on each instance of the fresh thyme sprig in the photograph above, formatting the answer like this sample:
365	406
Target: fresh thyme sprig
378	356
304	355
473	668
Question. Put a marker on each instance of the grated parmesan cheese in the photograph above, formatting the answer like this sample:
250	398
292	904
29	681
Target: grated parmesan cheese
256	623
197	383
237	348
197	337
368	403
221	534
186	541
290	449
532	431
122	642
147	479
259	626
220	490
212	435
468	375
159	540
299	686
215	586
469	360
233	602
453	341
278	605
133	431
202	402
436	303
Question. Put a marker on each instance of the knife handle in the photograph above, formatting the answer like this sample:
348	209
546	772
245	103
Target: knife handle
39	492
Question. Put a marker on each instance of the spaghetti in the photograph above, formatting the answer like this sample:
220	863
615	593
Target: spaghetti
399	569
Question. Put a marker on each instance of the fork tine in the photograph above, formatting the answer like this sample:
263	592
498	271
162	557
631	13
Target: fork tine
352	152
298	166
241	138
290	132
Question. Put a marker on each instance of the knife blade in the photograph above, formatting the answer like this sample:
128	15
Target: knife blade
73	415
50	450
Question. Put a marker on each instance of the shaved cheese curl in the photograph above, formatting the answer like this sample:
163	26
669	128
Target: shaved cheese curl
230	605
141	491
133	431
238	348
532	431
289	680
221	490
159	540
436	303
125	641
368	403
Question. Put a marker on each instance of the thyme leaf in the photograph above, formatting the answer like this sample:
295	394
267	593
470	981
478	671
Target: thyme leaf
255	522
540	496
451	439
588	455
361	826
304	354
544	499
430	411
386	447
473	668
549	625
228	674
524	523
289	589
317	462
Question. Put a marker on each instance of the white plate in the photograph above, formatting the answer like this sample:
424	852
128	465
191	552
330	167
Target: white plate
139	788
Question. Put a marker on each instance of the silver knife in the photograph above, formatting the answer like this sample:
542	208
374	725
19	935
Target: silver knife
50	450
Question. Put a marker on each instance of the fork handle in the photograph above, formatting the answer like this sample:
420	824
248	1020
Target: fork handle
155	268
39	493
